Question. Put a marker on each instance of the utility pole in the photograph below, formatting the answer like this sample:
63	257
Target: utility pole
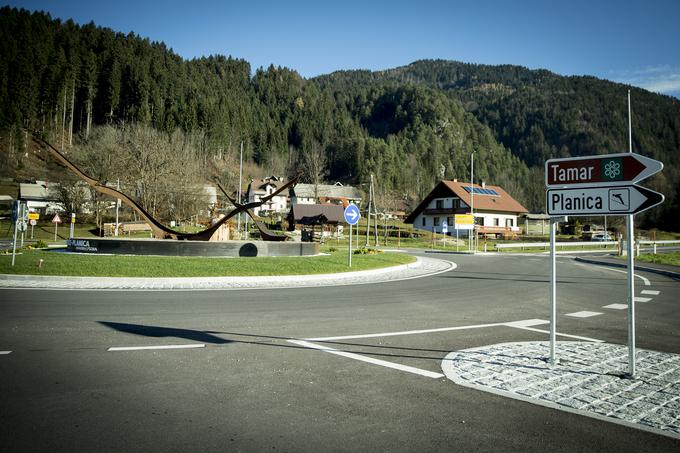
375	212
473	233
240	177
368	214
115	232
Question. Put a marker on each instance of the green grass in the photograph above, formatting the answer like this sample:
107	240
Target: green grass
672	258
68	264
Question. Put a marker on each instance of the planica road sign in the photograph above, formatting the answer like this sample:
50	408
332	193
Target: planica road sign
592	201
599	171
352	214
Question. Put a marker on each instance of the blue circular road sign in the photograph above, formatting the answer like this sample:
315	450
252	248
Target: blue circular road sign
352	214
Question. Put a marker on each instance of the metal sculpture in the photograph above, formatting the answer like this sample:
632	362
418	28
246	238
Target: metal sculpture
160	231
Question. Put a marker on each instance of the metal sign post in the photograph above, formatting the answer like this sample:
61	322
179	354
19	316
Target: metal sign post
596	186
352	216
16	228
553	291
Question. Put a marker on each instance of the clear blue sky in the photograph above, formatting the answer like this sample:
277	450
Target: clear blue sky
636	42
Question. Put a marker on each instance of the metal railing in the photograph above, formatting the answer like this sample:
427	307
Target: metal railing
546	245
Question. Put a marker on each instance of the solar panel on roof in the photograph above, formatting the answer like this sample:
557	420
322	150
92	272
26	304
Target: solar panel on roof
481	191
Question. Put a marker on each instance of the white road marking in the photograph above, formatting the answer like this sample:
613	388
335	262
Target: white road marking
583	314
527	323
406	332
594	340
351	355
5	352
642	299
167	346
616	306
651	292
644	279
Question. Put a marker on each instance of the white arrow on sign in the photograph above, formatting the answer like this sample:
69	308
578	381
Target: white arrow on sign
590	201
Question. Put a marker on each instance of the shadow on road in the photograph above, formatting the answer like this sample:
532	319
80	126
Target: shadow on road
160	332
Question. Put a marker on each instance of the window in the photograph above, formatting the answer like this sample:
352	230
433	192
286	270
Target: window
436	221
496	221
509	223
449	222
479	221
424	221
440	204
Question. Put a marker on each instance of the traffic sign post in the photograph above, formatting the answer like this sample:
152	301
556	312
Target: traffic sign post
352	216
16	215
596	186
56	220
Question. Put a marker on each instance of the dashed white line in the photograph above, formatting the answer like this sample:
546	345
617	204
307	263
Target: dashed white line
616	306
167	346
643	299
650	292
583	314
351	355
5	352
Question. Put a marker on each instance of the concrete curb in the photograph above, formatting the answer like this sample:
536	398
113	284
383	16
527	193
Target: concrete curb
667	273
421	268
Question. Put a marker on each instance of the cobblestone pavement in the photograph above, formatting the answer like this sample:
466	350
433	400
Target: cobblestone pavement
588	380
421	268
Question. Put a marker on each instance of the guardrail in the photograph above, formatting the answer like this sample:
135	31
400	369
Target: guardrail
653	244
591	244
546	245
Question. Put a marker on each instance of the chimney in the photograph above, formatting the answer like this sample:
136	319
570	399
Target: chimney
455	179
483	184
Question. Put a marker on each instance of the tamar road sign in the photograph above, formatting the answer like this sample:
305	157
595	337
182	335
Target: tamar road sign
591	201
352	214
56	219
599	171
33	216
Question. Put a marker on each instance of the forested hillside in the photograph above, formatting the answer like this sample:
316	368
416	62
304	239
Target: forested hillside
409	126
539	115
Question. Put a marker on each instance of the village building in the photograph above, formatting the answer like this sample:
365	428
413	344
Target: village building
261	188
337	193
306	217
495	211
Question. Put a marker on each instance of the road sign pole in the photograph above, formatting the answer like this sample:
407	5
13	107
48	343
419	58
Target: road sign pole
16	227
631	297
56	226
349	259
553	291
631	269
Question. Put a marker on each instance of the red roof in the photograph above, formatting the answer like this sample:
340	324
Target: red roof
495	199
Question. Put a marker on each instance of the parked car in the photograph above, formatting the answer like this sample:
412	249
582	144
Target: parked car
601	236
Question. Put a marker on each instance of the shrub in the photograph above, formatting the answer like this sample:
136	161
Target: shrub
41	244
366	251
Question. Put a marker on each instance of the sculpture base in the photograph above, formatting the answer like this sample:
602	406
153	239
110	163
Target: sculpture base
169	247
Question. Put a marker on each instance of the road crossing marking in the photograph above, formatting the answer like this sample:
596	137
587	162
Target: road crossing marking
616	306
5	352
643	299
584	314
650	292
523	325
167	346
351	355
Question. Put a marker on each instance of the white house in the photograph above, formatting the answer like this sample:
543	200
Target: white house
260	188
495	211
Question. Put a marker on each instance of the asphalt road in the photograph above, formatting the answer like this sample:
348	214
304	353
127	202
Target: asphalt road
251	389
